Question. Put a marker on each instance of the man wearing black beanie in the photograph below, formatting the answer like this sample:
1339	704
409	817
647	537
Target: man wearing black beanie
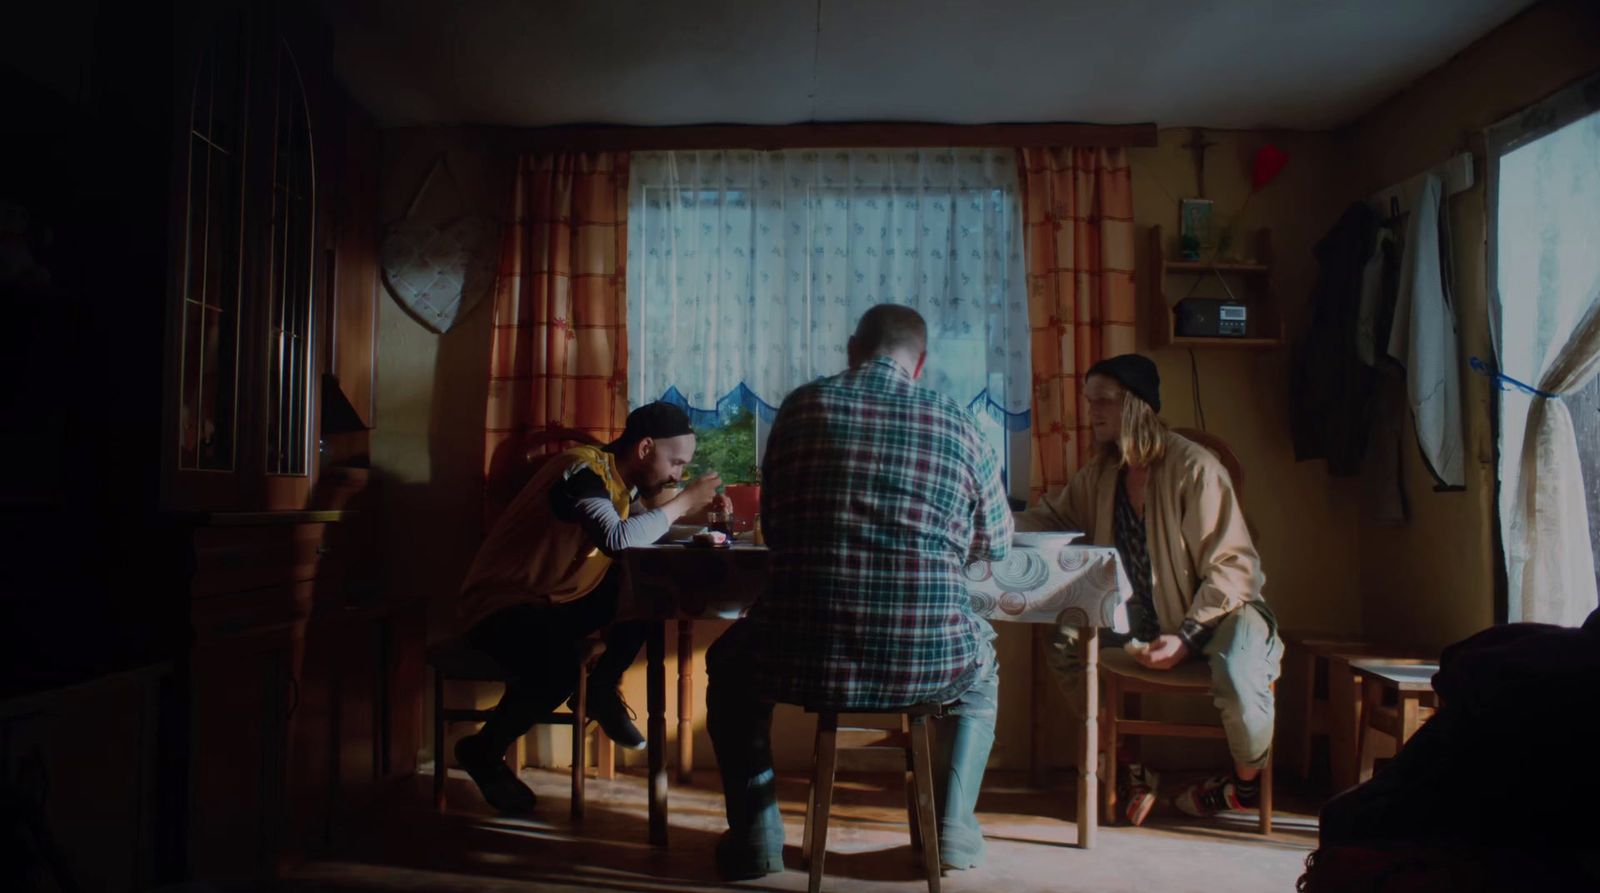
1171	510
544	580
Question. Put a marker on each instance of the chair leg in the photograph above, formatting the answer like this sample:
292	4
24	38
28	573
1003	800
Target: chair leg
606	755
922	762
1366	746
1108	751
1266	795
579	727
912	819
1308	699
438	741
822	796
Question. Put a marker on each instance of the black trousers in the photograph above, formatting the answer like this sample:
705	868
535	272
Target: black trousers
539	645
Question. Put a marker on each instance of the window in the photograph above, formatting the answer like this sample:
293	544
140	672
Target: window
1545	272
750	269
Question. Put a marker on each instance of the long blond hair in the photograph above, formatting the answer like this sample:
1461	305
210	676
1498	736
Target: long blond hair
1143	440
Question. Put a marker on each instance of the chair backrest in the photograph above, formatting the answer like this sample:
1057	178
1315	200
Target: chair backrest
517	459
1223	452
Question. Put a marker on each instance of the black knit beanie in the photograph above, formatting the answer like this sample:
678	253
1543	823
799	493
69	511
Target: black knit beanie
1136	373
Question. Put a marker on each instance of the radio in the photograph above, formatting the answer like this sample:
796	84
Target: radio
1210	318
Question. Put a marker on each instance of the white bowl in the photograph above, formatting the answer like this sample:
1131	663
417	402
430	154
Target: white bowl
1038	540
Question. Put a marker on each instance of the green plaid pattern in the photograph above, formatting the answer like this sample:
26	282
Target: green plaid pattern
875	493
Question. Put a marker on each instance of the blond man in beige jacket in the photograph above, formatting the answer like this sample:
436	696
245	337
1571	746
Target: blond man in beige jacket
1169	507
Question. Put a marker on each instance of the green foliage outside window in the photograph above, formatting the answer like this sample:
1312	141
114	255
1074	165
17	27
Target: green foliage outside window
729	449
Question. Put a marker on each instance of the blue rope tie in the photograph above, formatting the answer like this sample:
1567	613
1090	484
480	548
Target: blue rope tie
1504	381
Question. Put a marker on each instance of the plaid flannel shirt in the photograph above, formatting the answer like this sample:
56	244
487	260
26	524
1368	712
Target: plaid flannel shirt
875	493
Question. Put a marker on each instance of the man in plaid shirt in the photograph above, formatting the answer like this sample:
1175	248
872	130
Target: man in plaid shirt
875	493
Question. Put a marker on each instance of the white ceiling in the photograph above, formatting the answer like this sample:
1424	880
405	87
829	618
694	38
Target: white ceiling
1308	64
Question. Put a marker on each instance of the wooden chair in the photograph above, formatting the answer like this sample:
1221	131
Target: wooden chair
517	459
454	661
852	748
1408	684
513	464
1123	676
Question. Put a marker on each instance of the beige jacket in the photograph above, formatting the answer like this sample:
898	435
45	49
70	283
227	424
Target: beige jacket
1201	557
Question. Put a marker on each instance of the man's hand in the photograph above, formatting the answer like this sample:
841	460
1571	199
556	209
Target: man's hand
1164	653
694	497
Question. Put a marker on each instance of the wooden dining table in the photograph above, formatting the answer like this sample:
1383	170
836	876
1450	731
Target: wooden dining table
1047	579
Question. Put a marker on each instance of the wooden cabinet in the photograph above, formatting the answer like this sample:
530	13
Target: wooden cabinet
244	692
295	690
212	198
274	273
271	392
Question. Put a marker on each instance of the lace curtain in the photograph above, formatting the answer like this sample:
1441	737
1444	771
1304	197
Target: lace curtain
747	271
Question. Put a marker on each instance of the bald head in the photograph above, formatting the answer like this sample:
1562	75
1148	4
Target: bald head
894	331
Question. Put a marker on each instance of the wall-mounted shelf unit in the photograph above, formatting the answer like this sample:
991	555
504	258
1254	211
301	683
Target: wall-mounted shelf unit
1249	282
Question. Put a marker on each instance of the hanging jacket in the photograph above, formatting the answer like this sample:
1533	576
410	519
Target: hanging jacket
1331	389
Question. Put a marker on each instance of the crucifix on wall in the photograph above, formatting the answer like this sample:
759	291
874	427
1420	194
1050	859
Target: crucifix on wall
1197	147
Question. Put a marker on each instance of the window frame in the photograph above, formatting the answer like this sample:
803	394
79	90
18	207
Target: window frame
1566	106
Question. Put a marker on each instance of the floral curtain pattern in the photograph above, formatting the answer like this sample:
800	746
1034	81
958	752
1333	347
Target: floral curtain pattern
1078	213
559	357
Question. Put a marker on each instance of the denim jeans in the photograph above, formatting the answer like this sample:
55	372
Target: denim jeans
739	719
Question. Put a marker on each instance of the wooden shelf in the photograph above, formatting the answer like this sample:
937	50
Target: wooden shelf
1248	281
1237	343
1202	266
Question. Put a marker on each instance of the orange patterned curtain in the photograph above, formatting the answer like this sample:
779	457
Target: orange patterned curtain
1078	223
560	352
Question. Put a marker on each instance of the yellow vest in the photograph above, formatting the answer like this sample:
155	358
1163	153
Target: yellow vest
530	555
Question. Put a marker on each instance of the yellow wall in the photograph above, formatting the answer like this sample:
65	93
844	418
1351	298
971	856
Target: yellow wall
1433	581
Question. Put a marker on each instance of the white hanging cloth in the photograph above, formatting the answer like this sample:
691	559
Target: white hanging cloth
1423	339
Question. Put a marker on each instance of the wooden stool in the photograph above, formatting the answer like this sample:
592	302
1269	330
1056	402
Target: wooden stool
1411	684
912	741
454	661
1337	712
1124	676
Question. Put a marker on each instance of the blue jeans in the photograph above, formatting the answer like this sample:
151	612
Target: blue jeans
739	719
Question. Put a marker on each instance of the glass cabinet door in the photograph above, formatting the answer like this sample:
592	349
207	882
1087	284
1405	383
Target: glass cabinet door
289	276
212	284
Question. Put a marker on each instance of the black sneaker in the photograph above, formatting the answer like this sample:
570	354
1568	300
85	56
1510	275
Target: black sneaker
742	863
615	717
495	780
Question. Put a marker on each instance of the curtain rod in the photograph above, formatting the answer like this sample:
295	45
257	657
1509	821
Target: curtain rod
834	135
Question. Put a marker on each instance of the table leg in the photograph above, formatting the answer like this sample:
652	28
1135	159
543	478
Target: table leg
1088	783
1344	723
656	728
1037	682
685	701
1307	665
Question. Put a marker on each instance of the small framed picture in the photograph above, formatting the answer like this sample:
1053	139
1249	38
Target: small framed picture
1194	227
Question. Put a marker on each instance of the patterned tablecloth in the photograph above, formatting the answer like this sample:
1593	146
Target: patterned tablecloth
1045	579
